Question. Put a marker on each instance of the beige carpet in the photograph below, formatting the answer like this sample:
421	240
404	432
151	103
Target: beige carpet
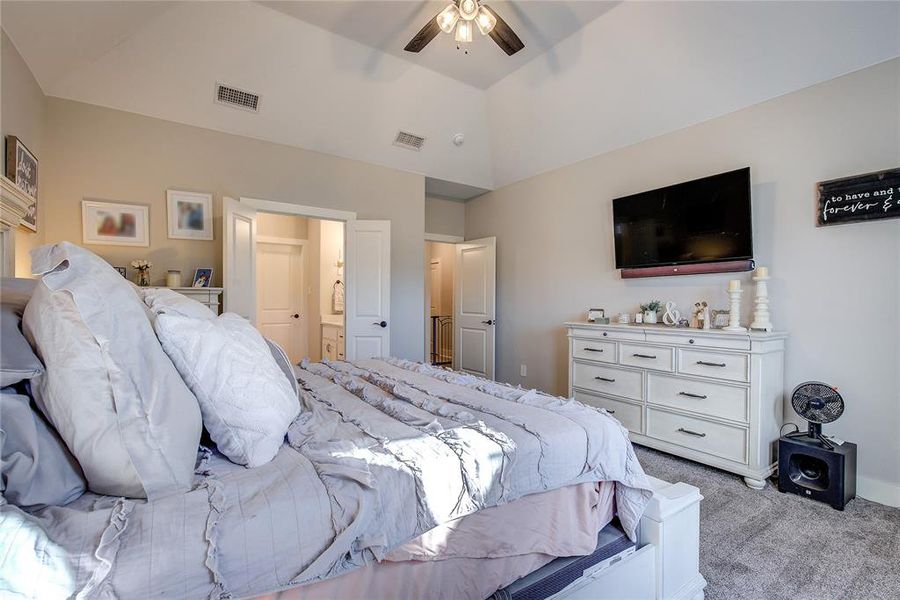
762	545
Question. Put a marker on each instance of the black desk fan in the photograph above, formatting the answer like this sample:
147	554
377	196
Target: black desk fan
818	403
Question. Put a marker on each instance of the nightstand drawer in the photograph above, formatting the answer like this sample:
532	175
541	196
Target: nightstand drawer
594	350
731	367
724	441
608	380
647	357
705	397
629	415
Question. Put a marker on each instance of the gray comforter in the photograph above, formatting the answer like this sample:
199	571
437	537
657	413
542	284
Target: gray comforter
383	451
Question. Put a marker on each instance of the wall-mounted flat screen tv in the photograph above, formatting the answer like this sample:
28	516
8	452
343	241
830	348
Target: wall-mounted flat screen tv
702	221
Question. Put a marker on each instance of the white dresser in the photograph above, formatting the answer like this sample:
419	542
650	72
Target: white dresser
710	396
209	296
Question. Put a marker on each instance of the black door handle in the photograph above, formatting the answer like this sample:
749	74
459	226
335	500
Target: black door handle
488	322
381	324
295	316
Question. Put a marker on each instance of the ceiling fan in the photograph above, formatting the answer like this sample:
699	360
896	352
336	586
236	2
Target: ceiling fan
464	16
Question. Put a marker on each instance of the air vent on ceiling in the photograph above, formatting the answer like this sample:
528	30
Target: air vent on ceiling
231	96
408	140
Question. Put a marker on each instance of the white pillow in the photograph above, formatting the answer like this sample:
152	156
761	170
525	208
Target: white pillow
109	389
246	401
164	300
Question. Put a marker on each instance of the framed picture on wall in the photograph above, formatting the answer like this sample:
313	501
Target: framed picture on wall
113	224
22	170
190	215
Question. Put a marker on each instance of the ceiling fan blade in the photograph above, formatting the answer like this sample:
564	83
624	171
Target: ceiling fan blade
503	34
425	35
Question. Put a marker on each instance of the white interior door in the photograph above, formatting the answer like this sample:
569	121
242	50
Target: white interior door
239	259
280	311
368	295
474	309
437	292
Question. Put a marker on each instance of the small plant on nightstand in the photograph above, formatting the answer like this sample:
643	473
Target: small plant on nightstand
650	309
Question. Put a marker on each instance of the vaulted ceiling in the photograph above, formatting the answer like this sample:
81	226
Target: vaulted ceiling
333	76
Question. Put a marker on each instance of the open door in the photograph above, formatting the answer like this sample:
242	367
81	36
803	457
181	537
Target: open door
239	259
474	309
368	298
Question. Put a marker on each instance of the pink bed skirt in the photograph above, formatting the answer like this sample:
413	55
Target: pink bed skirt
473	556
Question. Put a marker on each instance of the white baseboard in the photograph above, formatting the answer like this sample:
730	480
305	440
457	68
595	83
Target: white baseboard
879	491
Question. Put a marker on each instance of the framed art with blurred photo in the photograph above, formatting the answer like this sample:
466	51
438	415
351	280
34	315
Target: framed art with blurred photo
190	215
112	224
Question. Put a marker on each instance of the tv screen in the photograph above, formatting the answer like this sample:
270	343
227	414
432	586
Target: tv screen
706	220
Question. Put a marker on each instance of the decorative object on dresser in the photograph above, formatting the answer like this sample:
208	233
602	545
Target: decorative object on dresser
859	198
672	316
202	277
190	215
597	315
650	309
207	296
734	312
143	268
720	318
761	318
173	278
113	224
122	271
710	396
22	171
623	318
13	207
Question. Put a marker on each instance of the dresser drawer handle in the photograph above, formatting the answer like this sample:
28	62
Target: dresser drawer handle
610	411
690	395
710	364
644	356
689	432
593	350
606	379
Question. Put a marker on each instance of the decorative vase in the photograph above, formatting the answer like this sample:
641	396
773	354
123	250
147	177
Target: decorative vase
143	277
173	278
650	317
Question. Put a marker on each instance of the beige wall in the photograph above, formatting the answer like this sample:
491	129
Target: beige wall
105	154
282	226
22	115
836	290
447	217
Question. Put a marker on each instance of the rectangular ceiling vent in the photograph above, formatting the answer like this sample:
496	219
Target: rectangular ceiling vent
408	140
236	98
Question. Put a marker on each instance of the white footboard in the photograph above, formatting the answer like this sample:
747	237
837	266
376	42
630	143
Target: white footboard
666	565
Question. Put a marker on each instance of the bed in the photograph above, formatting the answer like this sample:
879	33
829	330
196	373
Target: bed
396	479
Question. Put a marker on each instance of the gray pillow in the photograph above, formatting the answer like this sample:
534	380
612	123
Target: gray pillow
284	363
17	359
36	470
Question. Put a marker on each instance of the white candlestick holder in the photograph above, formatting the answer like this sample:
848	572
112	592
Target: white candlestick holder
761	318
734	313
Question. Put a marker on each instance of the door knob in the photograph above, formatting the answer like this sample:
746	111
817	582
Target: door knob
381	324
295	316
488	322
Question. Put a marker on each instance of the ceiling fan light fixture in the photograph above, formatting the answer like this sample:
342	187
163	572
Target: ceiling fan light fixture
468	9
485	21
464	32
447	18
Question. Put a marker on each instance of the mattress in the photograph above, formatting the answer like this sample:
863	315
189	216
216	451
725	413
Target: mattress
557	575
479	553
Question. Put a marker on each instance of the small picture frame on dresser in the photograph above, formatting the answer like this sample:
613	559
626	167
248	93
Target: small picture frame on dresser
121	271
719	318
202	277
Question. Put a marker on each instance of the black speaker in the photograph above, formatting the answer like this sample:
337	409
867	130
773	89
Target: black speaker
808	467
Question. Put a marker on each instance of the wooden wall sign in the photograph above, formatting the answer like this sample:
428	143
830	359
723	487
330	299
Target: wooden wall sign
859	198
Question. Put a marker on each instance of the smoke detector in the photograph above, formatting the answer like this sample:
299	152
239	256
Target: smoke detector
458	139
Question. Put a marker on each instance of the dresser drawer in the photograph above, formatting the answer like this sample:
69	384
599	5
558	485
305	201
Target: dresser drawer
608	380
709	340
731	367
611	334
594	350
647	357
629	415
705	397
724	441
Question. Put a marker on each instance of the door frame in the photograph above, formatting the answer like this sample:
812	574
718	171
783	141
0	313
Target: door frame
281	241
426	315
